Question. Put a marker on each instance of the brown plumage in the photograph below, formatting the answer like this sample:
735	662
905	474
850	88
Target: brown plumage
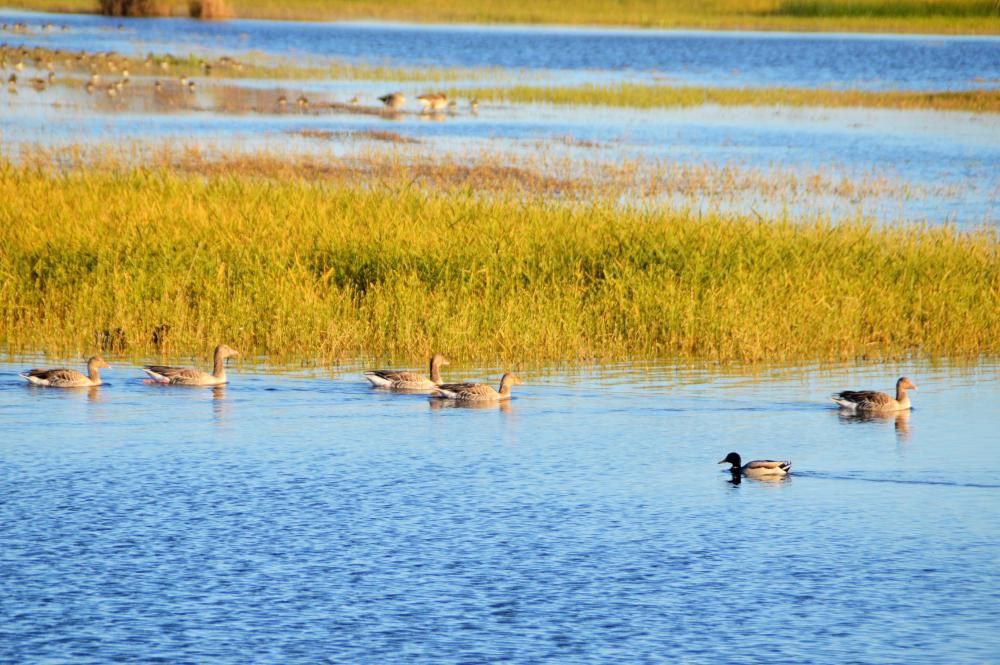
189	376
404	380
477	392
67	378
871	400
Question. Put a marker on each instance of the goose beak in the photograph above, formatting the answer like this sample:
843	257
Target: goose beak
721	461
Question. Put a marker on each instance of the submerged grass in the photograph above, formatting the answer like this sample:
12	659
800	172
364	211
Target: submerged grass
149	261
945	16
638	95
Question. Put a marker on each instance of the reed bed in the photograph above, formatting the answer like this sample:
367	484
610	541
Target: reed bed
145	261
639	95
939	16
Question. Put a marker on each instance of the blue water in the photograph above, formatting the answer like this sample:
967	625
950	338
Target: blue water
301	516
917	62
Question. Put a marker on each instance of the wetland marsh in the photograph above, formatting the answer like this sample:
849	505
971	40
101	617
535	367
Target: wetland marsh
682	242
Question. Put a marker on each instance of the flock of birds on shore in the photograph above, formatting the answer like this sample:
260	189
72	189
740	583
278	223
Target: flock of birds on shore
864	401
110	73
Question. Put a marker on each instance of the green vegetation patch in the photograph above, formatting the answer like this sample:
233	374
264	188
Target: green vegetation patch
639	95
164	263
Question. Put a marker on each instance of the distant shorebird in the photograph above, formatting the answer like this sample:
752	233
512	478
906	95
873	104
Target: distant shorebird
394	100
434	101
38	84
302	102
157	87
474	105
12	83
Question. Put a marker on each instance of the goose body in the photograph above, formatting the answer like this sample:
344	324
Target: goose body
871	400
477	392
189	376
67	378
761	468
403	380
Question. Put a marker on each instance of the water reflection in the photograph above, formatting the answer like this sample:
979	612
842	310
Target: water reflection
899	419
220	405
438	404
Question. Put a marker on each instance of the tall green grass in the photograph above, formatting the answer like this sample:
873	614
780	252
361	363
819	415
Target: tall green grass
639	95
300	269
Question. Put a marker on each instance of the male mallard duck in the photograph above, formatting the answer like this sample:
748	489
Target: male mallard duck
188	376
394	100
870	400
402	380
761	468
477	392
67	378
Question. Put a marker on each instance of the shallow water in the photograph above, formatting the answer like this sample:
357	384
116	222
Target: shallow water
918	62
298	516
944	164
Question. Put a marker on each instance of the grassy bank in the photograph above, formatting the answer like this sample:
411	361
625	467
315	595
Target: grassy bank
146	262
637	95
941	16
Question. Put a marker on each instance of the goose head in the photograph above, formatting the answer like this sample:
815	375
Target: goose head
509	380
224	351
97	362
905	383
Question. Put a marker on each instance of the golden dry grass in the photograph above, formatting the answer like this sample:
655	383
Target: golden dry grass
298	268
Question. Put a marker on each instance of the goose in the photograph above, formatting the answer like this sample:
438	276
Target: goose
402	380
477	392
67	378
871	400
394	100
188	376
761	468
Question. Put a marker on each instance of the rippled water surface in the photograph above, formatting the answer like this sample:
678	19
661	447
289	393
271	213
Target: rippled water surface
301	516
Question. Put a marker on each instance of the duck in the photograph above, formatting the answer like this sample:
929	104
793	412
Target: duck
760	468
403	380
871	400
394	100
477	392
68	378
189	376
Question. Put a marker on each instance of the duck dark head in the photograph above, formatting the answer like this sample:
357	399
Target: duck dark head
732	458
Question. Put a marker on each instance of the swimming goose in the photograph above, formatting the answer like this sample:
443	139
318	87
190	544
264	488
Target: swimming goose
188	376
402	380
67	378
761	468
477	392
870	400
394	100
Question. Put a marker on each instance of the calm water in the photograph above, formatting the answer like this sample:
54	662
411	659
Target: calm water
715	58
298	516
